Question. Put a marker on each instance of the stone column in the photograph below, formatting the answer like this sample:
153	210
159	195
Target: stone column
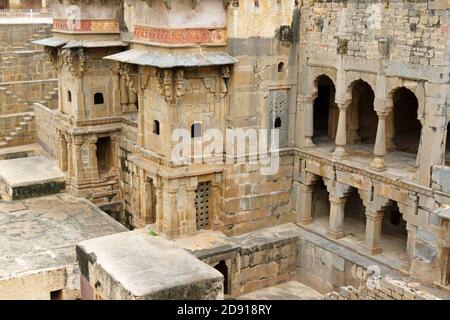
69	155
80	103
374	221
62	153
304	203
123	93
337	208
141	122
341	136
116	101
93	161
308	122
78	161
379	151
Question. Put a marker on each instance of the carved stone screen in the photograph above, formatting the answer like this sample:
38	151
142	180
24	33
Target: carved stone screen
202	198
279	114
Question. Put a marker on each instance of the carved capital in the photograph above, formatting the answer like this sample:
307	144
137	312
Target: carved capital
76	61
172	84
53	57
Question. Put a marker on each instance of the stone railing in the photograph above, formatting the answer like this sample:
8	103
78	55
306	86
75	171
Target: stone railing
25	16
28	13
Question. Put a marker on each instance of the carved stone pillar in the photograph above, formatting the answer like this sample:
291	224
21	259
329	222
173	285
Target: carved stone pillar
116	103
123	93
78	161
337	209
308	122
141	122
70	165
189	224
159	214
374	222
390	132
63	153
341	136
379	151
93	161
304	203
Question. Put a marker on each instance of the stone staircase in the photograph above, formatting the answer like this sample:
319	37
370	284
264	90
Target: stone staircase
51	99
23	131
11	103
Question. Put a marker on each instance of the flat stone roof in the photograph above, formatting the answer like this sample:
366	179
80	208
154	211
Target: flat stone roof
41	233
31	170
144	266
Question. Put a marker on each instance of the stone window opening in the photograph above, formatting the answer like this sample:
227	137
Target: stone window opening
69	96
98	98
104	155
56	295
447	146
156	127
223	269
277	123
325	111
196	130
404	126
362	118
256	3
281	67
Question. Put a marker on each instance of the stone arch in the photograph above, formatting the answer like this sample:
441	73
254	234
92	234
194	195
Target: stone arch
416	87
403	124
325	111
361	116
352	78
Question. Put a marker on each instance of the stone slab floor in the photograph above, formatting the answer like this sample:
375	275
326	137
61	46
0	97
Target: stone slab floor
290	290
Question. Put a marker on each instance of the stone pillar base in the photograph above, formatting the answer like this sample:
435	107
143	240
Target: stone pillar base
304	220
372	251
378	164
333	234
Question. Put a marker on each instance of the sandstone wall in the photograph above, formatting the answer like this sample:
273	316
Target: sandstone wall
46	133
383	288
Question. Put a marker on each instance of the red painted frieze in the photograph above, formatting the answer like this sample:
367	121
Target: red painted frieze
180	36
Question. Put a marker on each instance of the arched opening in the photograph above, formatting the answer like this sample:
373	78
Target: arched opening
277	123
406	126
156	127
104	155
98	98
362	118
447	146
281	67
69	96
196	130
394	235
223	269
320	210
325	114
355	216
